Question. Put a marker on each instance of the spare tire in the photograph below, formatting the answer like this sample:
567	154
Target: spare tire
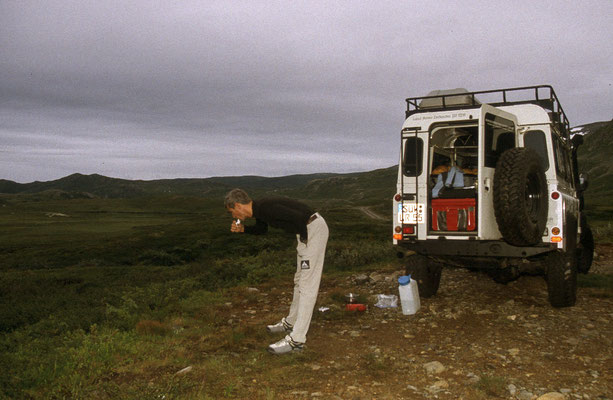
520	197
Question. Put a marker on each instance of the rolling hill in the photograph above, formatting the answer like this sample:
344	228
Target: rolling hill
595	160
95	185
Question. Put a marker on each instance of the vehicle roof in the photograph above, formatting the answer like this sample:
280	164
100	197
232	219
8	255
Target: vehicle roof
532	105
526	114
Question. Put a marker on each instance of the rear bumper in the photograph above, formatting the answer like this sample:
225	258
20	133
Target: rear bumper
481	248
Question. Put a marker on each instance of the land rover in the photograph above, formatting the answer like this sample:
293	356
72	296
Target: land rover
489	180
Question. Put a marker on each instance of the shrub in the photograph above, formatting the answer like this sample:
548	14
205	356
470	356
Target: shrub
159	257
149	327
349	255
494	386
123	316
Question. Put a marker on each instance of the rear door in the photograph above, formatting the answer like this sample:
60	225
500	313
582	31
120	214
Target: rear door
412	183
497	133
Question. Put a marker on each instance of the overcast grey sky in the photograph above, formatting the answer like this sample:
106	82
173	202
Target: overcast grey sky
164	89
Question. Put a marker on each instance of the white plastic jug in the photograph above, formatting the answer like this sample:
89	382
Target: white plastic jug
409	295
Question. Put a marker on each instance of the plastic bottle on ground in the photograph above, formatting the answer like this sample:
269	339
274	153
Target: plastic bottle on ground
409	295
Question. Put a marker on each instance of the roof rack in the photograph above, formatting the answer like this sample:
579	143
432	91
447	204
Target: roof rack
542	95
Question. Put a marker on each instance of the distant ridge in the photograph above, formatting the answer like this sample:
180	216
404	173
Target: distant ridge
102	186
588	128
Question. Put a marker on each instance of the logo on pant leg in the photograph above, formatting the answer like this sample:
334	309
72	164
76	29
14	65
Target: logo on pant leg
305	264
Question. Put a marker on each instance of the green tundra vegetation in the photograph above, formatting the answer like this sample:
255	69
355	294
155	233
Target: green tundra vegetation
595	161
90	286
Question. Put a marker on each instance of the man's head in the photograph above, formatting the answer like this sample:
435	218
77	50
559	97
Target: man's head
238	203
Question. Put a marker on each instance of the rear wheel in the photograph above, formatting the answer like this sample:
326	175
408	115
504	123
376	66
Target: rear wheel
585	248
520	197
426	272
561	278
505	273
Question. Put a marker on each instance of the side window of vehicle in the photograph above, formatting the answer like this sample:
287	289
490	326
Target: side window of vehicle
563	166
560	167
536	141
569	169
499	137
413	156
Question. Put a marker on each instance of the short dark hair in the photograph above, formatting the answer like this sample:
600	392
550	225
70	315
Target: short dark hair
236	196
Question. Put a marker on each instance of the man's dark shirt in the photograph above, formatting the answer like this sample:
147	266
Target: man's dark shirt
279	212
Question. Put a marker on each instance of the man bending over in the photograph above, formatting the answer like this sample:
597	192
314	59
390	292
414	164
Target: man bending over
312	236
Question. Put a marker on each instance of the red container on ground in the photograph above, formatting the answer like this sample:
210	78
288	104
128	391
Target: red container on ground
355	307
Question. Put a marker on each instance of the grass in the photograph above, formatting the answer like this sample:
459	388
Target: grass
114	299
143	362
603	284
599	218
374	364
596	281
603	232
493	386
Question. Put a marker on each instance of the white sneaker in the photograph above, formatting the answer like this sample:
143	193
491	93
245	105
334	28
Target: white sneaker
285	345
280	327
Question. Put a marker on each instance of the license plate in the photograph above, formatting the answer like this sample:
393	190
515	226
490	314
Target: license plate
411	213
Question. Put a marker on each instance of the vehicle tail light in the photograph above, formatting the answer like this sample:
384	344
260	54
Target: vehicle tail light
397	229
556	239
555	195
398	197
555	231
409	230
398	236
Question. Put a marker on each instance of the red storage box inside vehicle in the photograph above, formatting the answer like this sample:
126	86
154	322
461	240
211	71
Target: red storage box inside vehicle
453	214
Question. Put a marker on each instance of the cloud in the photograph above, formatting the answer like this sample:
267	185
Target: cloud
147	89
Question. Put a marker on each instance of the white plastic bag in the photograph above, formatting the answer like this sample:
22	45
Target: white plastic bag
386	301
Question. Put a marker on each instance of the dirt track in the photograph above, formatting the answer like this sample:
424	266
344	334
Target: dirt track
491	340
371	214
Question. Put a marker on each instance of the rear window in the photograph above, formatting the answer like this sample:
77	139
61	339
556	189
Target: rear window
536	141
413	156
499	137
562	160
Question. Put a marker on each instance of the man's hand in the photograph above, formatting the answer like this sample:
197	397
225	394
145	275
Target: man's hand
237	227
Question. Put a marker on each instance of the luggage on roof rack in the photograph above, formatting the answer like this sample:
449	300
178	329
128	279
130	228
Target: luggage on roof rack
541	95
448	98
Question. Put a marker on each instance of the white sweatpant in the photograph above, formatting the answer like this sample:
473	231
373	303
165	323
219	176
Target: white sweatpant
310	264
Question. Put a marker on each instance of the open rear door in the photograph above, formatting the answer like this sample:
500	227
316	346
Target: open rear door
497	133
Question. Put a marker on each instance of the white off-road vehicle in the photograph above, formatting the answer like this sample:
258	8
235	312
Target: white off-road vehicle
489	180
